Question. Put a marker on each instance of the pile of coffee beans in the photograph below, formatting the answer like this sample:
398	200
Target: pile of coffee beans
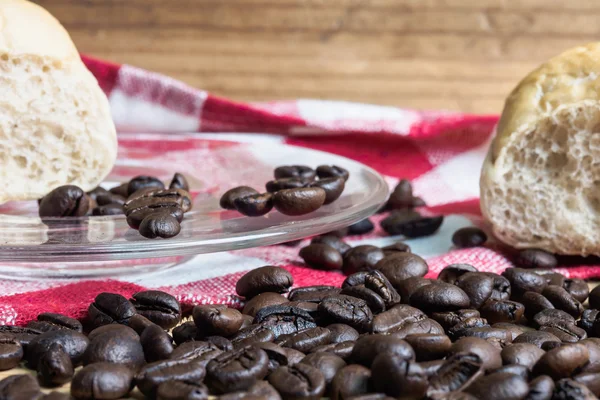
149	207
387	332
296	190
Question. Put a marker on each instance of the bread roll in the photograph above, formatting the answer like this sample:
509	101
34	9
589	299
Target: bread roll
540	184
55	123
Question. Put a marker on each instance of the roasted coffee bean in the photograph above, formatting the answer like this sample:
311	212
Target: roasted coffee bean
577	288
121	190
321	256
299	201
342	333
229	197
185	332
590	380
308	339
152	375
449	319
22	334
398	247
402	196
562	362
263	300
550	316
426	325
340	233
562	300
277	355
361	227
439	297
283	319
452	272
525	354
552	278
458	372
252	334
294	171
412	228
537	338
56	396
301	381
159	307
594	298
459	329
109	209
515	330
373	300
286	183
73	343
502	311
65	201
138	323
398	377
469	237
143	182
221	342
333	241
160	224
368	347
54	367
488	353
587	320
396	318
314	294
347	310
311	308
110	308
177	390
502	290
157	343
217	320
11	352
522	280
254	205
378	283
199	351
50	322
259	390
102	381
408	286
541	388
329	364
361	258
499	386
514	369
105	199
536	258
135	218
342	349
478	287
571	390
116	346
237	369
535	303
329	171
352	380
431	367
400	266
179	182
333	188
94	193
294	356
429	346
20	387
264	279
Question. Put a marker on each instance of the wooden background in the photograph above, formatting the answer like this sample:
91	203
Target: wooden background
454	54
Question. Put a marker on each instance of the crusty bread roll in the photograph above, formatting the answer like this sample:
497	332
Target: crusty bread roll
55	123
540	184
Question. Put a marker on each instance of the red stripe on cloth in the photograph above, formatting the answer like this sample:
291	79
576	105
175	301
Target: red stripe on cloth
448	123
106	73
471	207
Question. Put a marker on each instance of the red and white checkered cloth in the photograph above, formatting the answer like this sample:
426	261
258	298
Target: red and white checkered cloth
440	152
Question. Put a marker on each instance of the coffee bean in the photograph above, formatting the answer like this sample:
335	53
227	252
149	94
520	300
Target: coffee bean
460	328
152	375
65	201
329	171
264	279
368	347
587	320
299	201
179	182
198	351
526	354
373	300
449	319
478	287
229	197
408	286
116	329
341	333
237	369
347	310
429	346
502	311
569	389
401	196
107	198
22	334
400	266
102	381
157	344
120	190
49	321
550	316
294	171
185	332
590	380
488	353
397	247
513	329
502	289
217	320
439	297
535	303
541	388
562	300
161	224
143	182
11	352
329	364
342	349
552	278
412	228
283	319
313	294
73	343
54	367
396	318
469	237
514	369
361	227
136	217
308	339
159	307
562	362
94	193
294	356
577	288
499	386
259	390
277	355
254	205
116	346
594	298
333	241
177	390
536	258
286	183
333	188
109	209
301	381
321	256
452	272
252	334
537	338
361	258
222	343
398	377
20	387
522	280
458	372
352	380
109	308
263	300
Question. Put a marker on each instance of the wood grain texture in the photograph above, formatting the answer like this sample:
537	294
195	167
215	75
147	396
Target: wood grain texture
454	54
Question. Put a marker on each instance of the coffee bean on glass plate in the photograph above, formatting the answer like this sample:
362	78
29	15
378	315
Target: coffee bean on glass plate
94	193
137	216
526	354
578	288
478	287
439	297
109	308
237	369
499	386
360	258
522	280
451	273
449	319
254	205
116	346
299	201
159	307
286	183
104	199
361	227
264	279
199	351
398	377
333	188
352	380
73	343
469	237
347	310
177	390
64	201
228	198
179	182
301	381
321	256
502	311
368	347
563	361
50	321
294	171
11	352
20	387
429	346
562	300
152	375
102	381
54	367
329	171
217	320
263	300
400	266
458	372
159	224
536	258
157	343
534	303
488	353
252	334
283	319
332	241
109	209
313	294
143	182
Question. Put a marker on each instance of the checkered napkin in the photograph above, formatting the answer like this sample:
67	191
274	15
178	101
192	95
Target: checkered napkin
440	152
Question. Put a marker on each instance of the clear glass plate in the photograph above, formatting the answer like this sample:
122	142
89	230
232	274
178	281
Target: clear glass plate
96	246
